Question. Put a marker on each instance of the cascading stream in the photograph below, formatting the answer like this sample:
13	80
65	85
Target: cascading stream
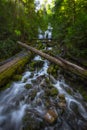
16	100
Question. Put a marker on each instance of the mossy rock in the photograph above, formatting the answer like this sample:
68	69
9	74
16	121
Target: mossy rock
51	92
54	92
47	102
32	122
53	70
83	93
17	77
36	64
28	86
33	94
32	74
61	97
50	86
47	80
47	92
25	79
69	91
6	86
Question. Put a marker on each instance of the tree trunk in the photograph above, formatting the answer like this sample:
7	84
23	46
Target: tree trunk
59	61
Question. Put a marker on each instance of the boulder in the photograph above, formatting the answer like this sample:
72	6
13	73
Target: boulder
33	94
51	116
28	86
74	107
51	92
61	97
36	64
62	105
54	92
62	101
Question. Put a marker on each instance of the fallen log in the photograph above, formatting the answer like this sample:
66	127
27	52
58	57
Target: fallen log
59	61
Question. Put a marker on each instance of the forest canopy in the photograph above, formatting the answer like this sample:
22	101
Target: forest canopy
20	20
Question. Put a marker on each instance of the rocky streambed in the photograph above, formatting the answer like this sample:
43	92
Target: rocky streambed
41	102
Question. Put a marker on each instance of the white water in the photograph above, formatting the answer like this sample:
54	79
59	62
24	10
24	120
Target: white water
12	107
47	34
70	99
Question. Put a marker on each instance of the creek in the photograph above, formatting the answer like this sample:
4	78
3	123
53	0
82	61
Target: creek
40	102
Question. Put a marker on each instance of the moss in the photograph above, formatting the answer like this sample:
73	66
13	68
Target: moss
83	92
51	92
28	86
40	46
17	77
36	64
53	70
25	79
54	92
33	94
6	86
47	80
7	75
61	97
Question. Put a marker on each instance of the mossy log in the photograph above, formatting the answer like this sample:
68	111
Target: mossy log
7	74
59	61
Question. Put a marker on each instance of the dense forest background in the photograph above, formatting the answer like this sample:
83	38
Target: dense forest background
19	20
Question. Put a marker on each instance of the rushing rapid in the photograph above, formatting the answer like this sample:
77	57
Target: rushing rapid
17	100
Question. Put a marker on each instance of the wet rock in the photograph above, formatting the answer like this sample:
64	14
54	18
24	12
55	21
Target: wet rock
65	126
50	86
28	86
36	64
40	79
43	83
52	79
54	92
74	107
39	101
82	125
20	99
53	70
32	122
47	81
33	81
62	105
25	79
69	91
32	95
32	74
47	92
51	116
61	97
62	101
51	92
47	103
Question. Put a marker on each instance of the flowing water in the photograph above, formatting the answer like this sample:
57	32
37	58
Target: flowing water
16	102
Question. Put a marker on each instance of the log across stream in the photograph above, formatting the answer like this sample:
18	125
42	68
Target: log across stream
59	61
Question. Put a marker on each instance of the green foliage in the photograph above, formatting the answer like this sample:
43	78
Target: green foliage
18	21
8	48
17	32
69	21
